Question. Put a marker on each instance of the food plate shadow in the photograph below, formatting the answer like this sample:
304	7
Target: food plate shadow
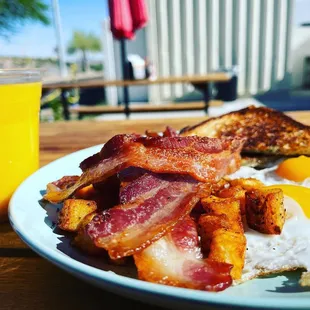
290	285
51	218
100	261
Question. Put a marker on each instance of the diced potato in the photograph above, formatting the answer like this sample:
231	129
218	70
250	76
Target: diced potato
221	184
221	232
73	212
265	210
82	241
207	225
230	207
229	247
236	192
247	183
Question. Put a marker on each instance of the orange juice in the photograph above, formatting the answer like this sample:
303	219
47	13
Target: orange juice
19	135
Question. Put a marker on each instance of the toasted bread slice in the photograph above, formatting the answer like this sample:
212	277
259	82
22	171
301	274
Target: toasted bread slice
259	161
267	131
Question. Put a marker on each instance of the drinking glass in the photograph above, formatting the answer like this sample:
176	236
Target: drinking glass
20	93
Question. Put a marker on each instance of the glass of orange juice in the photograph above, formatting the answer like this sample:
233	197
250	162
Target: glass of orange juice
20	93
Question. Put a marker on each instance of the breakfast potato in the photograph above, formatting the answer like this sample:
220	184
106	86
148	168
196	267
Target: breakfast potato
221	232
82	241
207	225
236	192
221	244
265	210
229	247
230	207
221	184
247	183
237	188
73	212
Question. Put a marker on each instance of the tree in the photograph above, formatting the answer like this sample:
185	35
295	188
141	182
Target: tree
15	13
84	42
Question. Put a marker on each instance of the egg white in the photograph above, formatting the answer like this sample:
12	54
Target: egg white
290	250
268	176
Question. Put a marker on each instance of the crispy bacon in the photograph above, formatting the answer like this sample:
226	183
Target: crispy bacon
130	174
205	159
90	161
65	182
129	228
139	187
176	260
152	134
170	132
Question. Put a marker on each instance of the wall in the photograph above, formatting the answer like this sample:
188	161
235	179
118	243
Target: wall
185	37
200	36
300	49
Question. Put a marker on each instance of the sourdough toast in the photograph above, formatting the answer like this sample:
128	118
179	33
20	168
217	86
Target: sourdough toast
259	161
267	131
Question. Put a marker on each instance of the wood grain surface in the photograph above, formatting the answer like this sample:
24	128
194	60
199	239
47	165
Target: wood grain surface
27	281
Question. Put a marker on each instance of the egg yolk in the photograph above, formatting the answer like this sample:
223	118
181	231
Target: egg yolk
295	169
300	194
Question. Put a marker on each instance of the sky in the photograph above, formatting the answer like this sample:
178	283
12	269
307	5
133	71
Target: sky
35	40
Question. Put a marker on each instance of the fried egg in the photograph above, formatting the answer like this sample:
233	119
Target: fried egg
290	250
295	169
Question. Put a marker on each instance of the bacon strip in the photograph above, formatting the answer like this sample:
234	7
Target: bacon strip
140	186
130	174
176	260
63	183
170	132
205	159
129	228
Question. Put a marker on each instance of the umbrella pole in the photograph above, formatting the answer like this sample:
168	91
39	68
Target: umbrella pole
125	75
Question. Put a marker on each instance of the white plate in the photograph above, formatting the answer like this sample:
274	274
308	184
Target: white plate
36	227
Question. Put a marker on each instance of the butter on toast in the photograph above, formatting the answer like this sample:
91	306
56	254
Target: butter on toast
267	131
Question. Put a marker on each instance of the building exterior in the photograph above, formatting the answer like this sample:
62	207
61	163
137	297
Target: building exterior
185	37
300	51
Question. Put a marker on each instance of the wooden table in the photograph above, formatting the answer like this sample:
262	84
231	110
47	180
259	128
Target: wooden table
27	281
194	79
143	108
201	82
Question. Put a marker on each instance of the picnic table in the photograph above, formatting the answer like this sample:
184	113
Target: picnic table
200	82
28	281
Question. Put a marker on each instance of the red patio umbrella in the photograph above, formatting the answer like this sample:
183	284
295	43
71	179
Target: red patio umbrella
121	19
139	14
127	16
